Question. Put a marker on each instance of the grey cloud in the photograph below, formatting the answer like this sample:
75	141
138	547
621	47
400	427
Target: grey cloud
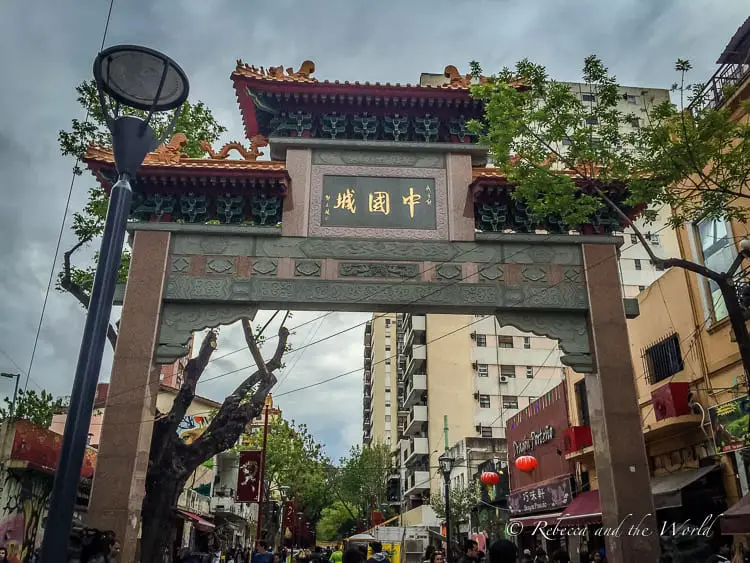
49	50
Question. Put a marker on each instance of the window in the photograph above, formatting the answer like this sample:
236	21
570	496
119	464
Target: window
641	287
631	99
635	123
387	347
588	97
387	389
637	264
582	401
592	121
387	323
531	399
484	401
387	404
478	316
387	418
633	239
388	361
505	342
529	372
654	238
483	370
486	431
508	371
567	141
718	254
481	340
510	402
527	342
663	359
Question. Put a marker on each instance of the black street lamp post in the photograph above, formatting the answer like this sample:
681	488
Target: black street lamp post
446	462
146	80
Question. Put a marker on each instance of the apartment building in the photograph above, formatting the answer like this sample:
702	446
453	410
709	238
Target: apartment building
379	404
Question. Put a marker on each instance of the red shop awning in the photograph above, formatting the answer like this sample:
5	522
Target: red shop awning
532	521
585	509
200	523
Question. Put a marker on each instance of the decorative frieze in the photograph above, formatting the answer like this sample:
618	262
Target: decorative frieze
382	270
308	268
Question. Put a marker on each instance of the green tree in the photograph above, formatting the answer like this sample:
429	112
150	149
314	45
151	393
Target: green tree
38	409
196	121
693	157
362	479
463	501
294	460
335	522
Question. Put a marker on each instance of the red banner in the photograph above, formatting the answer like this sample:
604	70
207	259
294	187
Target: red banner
290	514
248	479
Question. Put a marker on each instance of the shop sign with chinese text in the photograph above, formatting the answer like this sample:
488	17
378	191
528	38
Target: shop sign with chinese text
550	496
388	203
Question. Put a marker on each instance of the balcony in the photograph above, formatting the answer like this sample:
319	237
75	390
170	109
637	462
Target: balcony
414	323
416	482
226	506
578	443
416	360
417	417
415	389
721	86
417	448
194	502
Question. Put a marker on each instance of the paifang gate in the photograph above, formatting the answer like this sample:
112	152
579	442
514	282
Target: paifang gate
376	199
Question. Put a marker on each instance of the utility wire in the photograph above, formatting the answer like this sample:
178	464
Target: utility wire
64	219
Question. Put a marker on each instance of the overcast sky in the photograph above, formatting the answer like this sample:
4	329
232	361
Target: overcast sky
48	51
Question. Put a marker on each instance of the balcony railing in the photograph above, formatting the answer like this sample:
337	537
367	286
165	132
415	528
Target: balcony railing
721	86
194	502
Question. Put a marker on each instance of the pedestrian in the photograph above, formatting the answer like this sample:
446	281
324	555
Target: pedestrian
541	556
561	556
352	555
262	555
526	556
503	551
723	556
437	557
337	555
114	552
3	555
378	555
470	552
480	556
428	553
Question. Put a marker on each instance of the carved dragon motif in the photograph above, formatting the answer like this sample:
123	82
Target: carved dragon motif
305	70
459	80
171	153
250	154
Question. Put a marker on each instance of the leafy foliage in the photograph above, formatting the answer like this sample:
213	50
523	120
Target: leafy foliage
335	522
696	161
38	409
295	460
196	121
463	500
362	477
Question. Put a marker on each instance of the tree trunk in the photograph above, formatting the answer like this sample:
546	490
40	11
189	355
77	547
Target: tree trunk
158	516
737	320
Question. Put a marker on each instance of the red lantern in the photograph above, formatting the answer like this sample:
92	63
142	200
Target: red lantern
526	463
490	478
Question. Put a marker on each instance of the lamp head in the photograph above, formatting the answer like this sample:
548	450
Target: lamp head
446	462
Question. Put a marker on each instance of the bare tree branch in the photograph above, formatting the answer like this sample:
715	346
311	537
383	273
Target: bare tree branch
67	283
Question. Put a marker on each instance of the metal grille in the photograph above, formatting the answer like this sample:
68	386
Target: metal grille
662	359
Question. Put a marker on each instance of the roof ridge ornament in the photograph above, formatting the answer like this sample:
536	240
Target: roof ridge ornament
171	152
250	154
306	69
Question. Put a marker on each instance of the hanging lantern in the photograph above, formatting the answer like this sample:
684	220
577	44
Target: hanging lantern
526	463
490	478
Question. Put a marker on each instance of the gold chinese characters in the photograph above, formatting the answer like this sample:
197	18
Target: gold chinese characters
412	200
346	201
380	202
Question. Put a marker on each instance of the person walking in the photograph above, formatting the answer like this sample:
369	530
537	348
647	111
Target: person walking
560	556
470	553
262	555
503	551
337	555
378	555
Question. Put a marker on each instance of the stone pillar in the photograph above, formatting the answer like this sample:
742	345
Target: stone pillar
122	461
297	202
460	202
619	449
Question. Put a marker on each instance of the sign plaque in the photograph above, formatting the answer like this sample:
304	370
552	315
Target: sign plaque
386	203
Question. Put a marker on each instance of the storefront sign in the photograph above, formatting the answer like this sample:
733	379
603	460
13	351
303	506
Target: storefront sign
546	434
388	203
729	422
555	495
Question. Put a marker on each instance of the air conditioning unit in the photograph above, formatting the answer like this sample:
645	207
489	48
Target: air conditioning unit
576	438
671	400
503	379
474	335
475	365
476	396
